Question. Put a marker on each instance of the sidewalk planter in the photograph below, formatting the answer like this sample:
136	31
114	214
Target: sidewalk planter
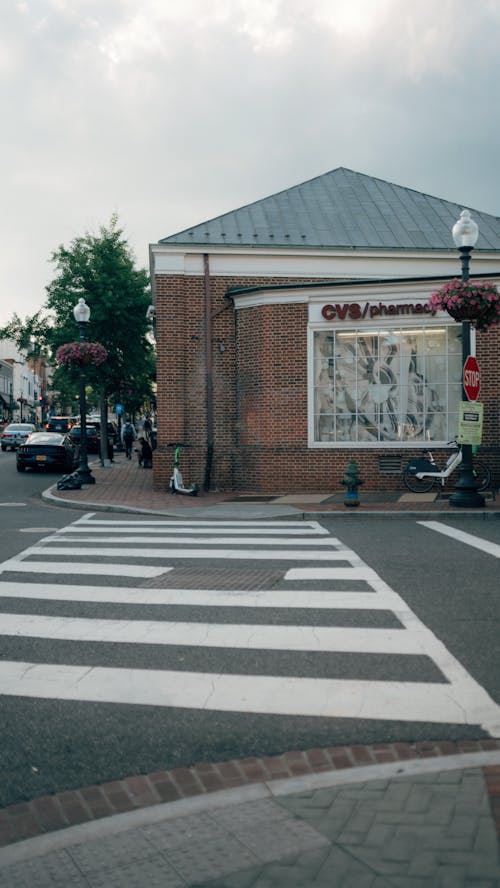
351	481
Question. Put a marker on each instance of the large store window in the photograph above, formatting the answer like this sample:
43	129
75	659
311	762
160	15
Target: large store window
400	385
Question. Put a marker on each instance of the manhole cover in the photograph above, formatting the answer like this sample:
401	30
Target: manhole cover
218	578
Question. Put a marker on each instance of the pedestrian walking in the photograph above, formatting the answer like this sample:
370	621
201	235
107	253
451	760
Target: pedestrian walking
129	435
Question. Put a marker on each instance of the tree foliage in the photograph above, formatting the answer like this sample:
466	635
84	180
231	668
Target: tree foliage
100	268
30	335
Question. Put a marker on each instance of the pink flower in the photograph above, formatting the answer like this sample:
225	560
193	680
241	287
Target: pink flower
465	300
79	354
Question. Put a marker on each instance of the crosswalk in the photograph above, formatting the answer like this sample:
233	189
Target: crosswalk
328	639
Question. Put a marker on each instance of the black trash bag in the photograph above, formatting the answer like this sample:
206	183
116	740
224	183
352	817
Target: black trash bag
69	482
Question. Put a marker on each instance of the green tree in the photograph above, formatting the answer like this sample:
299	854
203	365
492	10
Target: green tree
100	268
29	335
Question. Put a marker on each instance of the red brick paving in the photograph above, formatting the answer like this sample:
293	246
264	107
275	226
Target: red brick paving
50	813
125	484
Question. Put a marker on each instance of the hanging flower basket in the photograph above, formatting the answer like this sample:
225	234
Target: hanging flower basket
81	354
478	303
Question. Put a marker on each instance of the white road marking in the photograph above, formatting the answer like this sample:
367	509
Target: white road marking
360	572
266	598
208	527
37	529
236	526
464	688
187	553
459	699
82	567
193	541
328	698
224	635
460	536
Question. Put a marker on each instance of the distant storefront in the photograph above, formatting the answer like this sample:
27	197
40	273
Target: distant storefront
281	356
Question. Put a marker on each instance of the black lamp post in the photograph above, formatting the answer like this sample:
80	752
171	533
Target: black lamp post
82	315
465	235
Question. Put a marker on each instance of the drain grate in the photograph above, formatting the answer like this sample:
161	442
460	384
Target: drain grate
218	578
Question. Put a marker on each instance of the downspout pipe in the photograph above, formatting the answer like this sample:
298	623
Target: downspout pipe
208	375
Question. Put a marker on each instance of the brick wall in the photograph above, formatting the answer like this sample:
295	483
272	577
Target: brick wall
259	381
488	356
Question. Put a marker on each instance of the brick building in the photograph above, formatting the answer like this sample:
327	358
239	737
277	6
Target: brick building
293	334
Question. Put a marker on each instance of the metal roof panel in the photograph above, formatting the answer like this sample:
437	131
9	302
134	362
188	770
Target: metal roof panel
342	208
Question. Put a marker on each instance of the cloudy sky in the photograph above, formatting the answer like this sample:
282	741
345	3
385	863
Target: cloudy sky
169	113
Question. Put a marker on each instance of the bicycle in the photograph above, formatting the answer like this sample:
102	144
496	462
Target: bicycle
420	475
176	481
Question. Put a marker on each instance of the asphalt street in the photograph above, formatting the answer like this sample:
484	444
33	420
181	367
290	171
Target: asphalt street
451	586
24	517
53	743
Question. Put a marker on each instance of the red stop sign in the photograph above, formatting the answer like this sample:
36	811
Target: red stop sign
472	378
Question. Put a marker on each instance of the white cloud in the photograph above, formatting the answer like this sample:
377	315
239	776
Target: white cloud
170	113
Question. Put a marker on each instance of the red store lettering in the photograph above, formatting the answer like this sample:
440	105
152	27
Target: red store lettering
354	312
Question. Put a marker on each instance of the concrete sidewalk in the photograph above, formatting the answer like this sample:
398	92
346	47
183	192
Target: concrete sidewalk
124	485
427	821
385	816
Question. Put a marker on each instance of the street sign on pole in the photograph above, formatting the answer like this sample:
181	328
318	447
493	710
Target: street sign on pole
472	378
470	423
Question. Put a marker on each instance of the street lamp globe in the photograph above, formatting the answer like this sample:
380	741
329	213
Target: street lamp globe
81	312
465	231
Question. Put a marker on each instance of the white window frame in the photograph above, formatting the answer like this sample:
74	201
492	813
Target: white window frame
419	323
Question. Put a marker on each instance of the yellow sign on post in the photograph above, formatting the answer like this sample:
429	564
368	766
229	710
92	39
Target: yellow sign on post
470	422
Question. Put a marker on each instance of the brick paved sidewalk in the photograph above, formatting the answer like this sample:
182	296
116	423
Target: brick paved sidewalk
411	815
125	484
73	806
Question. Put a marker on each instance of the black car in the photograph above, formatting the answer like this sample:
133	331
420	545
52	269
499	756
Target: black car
47	450
93	437
60	424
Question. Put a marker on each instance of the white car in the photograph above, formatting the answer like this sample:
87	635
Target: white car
15	434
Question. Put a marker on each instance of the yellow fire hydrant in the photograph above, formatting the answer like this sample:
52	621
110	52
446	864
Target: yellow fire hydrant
351	481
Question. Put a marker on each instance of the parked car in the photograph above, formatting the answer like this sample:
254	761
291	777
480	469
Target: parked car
112	431
58	424
15	434
47	450
93	437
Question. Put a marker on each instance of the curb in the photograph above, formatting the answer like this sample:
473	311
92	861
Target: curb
298	514
285	774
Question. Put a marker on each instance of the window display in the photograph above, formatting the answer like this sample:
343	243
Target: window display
391	385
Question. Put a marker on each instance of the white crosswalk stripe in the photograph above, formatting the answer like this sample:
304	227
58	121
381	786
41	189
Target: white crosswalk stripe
263	694
468	539
318	587
290	638
269	555
82	567
309	599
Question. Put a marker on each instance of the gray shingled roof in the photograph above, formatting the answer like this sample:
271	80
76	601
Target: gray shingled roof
342	208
